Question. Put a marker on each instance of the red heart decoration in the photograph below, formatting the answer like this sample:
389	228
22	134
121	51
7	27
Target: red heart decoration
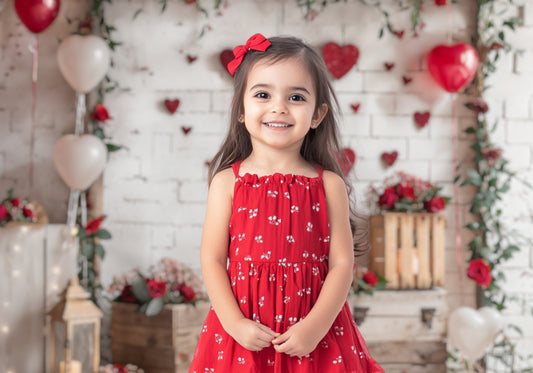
225	57
422	118
346	160
453	67
399	34
37	15
186	130
406	80
355	107
191	59
389	66
389	158
339	60
172	105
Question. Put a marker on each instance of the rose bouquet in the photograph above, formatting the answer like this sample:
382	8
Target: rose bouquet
407	193
167	282
16	209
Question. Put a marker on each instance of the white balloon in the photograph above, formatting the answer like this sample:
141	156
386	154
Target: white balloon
472	332
494	320
79	160
83	61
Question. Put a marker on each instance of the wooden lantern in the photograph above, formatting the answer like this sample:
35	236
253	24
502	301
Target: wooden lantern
74	336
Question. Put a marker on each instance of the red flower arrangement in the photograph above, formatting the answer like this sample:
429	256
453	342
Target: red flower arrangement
16	209
407	193
365	281
100	113
167	282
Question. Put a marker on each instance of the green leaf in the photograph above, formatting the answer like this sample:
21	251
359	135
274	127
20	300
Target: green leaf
140	290
100	251
474	177
87	250
154	307
103	234
470	130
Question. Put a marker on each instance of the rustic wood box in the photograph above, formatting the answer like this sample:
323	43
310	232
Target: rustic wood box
405	330
164	343
408	249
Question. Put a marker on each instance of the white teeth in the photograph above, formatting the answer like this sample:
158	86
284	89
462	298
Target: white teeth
278	125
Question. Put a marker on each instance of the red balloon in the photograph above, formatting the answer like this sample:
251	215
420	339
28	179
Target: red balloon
37	15
453	66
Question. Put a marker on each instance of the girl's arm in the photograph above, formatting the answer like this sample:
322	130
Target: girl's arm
303	337
213	255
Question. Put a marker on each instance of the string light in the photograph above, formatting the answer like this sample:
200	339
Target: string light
5	329
16	273
16	248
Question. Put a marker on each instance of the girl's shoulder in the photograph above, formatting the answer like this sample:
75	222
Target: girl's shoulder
332	179
223	180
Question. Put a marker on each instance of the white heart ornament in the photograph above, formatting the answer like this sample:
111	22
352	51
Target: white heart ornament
83	61
473	332
79	160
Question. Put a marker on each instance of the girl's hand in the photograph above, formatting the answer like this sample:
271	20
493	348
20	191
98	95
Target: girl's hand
299	340
252	335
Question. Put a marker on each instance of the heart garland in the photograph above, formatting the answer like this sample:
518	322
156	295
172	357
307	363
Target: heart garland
186	130
389	158
406	80
346	160
172	105
422	118
388	66
339	60
355	107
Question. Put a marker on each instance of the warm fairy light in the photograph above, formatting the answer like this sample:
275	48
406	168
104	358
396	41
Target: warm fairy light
16	248
16	273
56	270
6	304
5	329
24	229
54	287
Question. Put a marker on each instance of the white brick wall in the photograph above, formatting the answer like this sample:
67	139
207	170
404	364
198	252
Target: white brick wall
154	193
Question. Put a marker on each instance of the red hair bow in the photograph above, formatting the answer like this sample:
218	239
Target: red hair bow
257	42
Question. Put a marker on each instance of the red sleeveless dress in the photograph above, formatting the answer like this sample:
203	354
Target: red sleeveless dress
278	260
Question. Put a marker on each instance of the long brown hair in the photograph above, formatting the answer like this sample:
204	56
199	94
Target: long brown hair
320	146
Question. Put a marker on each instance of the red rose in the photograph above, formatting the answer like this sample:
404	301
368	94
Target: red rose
479	271
491	155
100	113
3	213
188	293
28	213
93	225
405	191
388	198
440	2
435	204
127	295
370	278
156	289
15	202
119	368
478	105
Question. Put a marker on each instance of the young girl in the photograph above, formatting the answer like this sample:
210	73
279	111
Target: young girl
278	208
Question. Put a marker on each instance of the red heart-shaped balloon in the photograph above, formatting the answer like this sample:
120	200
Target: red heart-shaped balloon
37	15
225	57
453	67
339	60
389	158
172	105
346	160
422	118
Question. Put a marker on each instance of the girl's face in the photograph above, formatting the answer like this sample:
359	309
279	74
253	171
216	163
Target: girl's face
279	104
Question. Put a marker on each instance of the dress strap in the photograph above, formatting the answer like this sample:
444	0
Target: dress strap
236	167
318	169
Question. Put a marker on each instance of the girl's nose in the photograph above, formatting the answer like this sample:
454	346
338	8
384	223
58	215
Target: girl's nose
279	106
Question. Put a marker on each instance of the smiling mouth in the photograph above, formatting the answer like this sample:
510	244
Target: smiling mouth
277	125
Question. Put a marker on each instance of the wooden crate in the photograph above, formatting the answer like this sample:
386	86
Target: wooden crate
408	249
163	343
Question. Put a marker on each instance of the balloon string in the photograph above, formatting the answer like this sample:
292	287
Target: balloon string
458	244
450	24
34	75
80	113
